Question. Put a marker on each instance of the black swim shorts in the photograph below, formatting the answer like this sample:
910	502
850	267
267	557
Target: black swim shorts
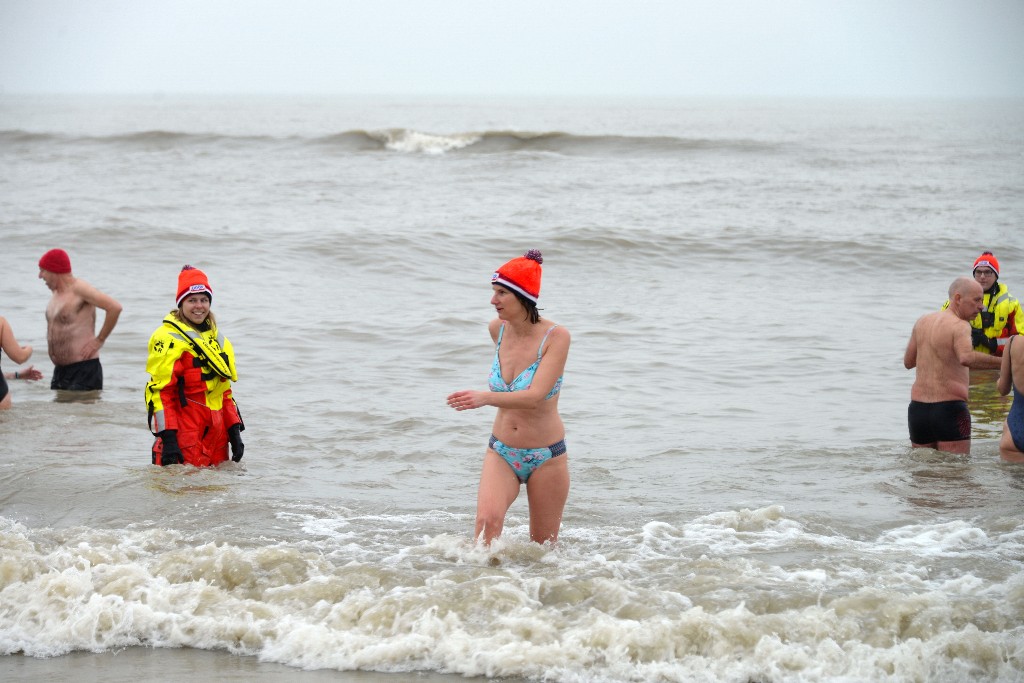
86	375
4	390
942	421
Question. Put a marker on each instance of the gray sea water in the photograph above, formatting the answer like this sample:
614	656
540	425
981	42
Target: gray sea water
740	279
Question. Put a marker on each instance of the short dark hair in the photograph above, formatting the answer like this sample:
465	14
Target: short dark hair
531	307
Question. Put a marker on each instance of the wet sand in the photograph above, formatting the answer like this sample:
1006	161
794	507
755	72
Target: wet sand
186	665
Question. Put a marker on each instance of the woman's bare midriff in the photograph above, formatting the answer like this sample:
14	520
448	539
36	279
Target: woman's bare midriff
529	428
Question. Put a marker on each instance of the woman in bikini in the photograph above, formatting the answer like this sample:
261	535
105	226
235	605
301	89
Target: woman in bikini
527	444
1011	376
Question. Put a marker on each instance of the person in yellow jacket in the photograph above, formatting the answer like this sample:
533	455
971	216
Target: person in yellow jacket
1001	317
191	366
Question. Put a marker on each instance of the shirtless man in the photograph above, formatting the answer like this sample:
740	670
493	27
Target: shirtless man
940	348
71	335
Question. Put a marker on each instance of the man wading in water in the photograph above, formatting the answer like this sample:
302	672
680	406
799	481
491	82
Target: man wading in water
71	337
940	350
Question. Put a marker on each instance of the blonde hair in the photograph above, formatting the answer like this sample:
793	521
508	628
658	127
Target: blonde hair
209	324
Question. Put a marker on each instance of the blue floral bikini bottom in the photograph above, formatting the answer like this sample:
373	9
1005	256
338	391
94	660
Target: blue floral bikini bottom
524	461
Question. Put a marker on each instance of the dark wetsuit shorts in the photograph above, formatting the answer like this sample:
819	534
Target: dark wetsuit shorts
942	421
86	375
4	390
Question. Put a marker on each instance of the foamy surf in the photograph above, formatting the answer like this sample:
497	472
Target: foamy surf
679	603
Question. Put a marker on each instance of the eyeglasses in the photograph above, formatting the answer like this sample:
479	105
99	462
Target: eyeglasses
984	273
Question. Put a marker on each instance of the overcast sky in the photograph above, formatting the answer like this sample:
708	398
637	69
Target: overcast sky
946	48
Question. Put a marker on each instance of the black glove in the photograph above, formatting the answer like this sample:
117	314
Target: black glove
979	338
235	437
171	453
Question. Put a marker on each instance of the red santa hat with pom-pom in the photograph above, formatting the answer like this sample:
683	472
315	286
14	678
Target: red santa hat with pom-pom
521	274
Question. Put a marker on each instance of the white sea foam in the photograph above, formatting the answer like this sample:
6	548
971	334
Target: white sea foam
444	605
412	141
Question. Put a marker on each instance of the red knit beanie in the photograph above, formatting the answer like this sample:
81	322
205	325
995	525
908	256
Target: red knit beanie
193	281
986	259
56	261
521	274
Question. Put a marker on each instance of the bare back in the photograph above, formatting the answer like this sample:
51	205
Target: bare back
938	347
1017	363
1011	374
70	325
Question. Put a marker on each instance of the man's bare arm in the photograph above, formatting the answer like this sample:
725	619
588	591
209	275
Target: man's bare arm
910	355
110	306
970	358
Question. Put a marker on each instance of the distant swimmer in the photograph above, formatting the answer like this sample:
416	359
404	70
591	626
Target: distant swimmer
527	443
940	350
1011	375
1001	316
19	354
191	365
71	337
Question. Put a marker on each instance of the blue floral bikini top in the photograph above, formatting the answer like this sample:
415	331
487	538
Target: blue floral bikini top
525	378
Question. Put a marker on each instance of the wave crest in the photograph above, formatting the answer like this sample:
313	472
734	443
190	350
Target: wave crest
412	141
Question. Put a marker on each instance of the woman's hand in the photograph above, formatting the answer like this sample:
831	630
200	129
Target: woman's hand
29	373
467	400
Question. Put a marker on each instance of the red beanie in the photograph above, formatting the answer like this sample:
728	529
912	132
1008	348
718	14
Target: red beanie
986	259
521	274
192	281
56	261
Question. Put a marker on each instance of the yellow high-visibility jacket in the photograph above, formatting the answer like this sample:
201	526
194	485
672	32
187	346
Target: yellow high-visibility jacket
1007	318
188	369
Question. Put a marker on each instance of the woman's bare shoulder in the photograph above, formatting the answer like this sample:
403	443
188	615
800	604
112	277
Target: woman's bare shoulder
557	331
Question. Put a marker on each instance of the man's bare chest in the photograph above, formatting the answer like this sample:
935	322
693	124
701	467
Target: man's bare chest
67	309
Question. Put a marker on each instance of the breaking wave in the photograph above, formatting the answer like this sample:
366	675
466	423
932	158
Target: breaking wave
410	141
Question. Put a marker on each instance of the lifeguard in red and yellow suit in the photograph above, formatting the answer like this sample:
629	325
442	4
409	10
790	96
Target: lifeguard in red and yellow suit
191	366
1001	316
